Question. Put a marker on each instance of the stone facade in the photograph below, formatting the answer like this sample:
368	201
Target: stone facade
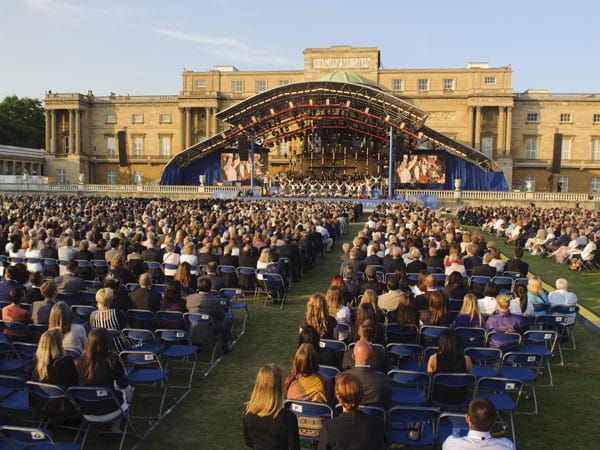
475	105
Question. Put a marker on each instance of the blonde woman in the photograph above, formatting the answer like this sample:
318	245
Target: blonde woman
371	297
317	317
109	318
51	364
189	256
265	258
536	294
34	252
74	335
266	423
469	314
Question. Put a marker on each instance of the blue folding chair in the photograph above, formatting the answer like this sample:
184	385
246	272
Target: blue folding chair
525	368
398	334
452	390
177	347
413	425
471	337
409	387
543	343
236	302
46	399
13	393
203	333
504	283
406	356
142	318
486	361
145	370
9	359
454	424
171	319
430	334
32	438
142	339
504	393
310	417
89	400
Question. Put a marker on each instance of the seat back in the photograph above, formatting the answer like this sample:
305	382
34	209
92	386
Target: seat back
310	417
471	337
201	328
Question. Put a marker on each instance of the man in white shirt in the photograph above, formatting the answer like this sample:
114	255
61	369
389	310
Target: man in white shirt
562	296
480	417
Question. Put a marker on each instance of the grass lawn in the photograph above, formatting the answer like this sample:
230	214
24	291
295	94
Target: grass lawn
210	416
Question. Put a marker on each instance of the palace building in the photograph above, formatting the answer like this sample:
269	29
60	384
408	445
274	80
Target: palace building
548	141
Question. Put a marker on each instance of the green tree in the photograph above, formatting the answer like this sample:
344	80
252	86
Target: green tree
22	122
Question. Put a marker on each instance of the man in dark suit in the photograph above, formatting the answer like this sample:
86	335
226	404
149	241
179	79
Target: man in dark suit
40	312
290	251
11	274
472	259
216	281
207	302
143	297
393	261
433	259
516	264
377	386
484	270
356	264
69	283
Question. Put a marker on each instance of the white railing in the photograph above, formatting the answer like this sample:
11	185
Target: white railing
99	189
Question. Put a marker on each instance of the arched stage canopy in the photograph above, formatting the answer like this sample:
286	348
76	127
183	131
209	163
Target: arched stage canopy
340	114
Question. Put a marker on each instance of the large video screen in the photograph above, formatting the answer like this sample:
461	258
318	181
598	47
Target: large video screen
234	169
422	169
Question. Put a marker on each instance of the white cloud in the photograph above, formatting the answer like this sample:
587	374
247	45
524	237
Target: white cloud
63	10
229	50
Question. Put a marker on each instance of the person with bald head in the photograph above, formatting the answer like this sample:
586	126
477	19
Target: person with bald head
377	386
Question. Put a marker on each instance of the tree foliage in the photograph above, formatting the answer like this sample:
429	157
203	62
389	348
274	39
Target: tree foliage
22	122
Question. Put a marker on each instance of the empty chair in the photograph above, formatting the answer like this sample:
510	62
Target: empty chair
485	360
504	393
406	356
32	438
451	390
409	387
310	416
523	367
413	425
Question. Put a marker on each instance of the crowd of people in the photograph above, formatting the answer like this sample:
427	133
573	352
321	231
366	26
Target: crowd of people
328	186
55	248
569	235
386	291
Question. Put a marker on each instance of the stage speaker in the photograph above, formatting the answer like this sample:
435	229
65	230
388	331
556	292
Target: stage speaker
243	148
558	137
121	141
398	148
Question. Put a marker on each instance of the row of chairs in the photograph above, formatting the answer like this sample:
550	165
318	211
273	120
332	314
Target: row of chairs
411	424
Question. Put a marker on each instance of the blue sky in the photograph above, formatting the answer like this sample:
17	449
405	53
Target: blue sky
140	47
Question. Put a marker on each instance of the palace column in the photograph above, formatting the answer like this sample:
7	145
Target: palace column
214	120
77	147
206	122
53	131
470	126
509	129
71	131
48	130
188	127
478	117
182	128
501	143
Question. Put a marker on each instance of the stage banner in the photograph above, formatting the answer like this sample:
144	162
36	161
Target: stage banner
422	168
233	169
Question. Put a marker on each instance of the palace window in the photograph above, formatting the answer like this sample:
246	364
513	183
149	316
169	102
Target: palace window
138	178
489	80
111	177
596	149
61	176
487	145
596	118
260	85
283	149
111	118
165	146
138	145
532	117
563	184
137	118
66	144
531	148
529	178
423	84
397	85
110	146
565	150
201	84
448	84
237	86
565	118
284	82
165	118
